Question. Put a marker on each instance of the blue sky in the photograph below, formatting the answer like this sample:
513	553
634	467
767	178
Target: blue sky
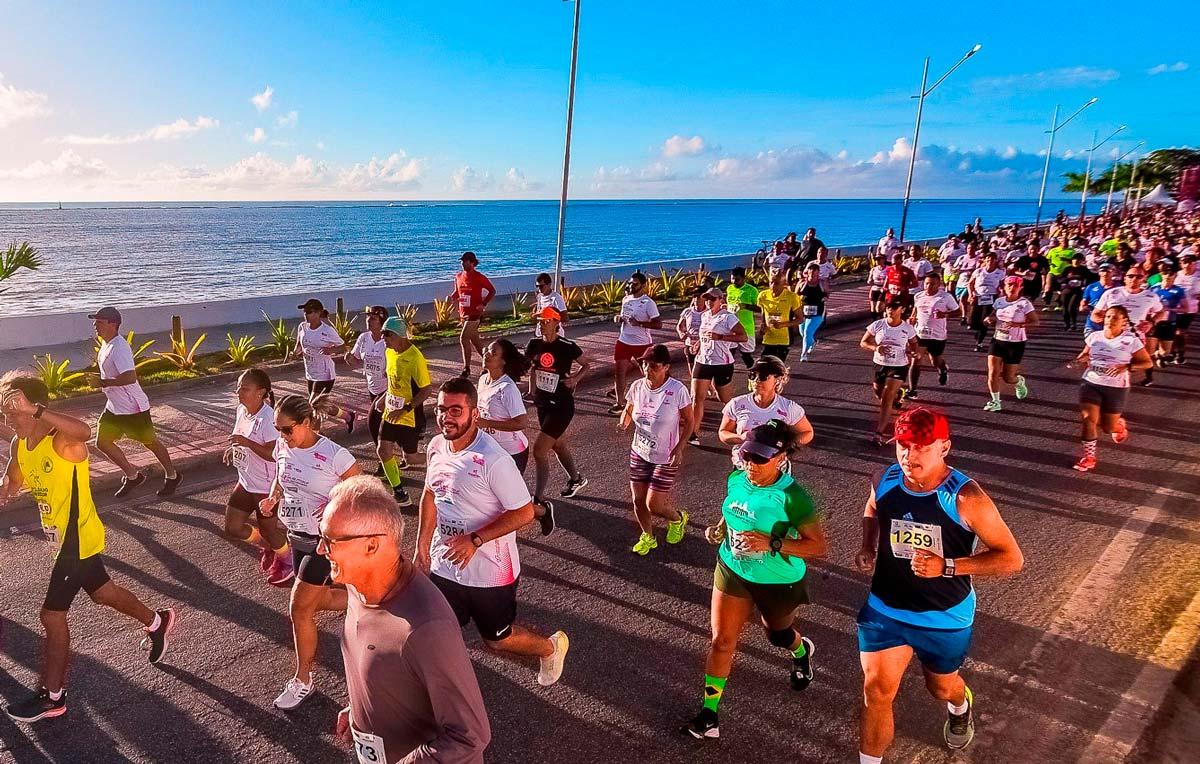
140	101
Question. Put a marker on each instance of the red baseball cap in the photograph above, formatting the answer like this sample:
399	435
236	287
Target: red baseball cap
550	313
920	427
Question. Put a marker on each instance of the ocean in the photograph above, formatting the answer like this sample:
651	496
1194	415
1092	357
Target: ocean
137	255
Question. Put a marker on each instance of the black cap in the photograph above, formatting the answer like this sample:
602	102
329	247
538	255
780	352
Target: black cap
771	364
107	314
767	440
657	354
470	256
311	305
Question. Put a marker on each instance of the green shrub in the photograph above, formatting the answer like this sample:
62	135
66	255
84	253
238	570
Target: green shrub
239	350
54	374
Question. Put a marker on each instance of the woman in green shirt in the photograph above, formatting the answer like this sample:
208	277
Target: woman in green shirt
768	526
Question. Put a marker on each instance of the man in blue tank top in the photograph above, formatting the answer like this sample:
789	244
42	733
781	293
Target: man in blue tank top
921	527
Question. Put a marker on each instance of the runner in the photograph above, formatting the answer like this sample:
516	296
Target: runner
985	287
1092	294
554	359
889	245
687	328
779	306
317	343
742	298
370	352
1070	285
899	282
127	411
920	267
769	527
950	251
813	292
544	296
473	505
963	269
892	342
1013	314
402	406
931	308
49	457
827	270
877	281
720	332
252	451
921	527
660	412
472	293
1144	308
1060	257
1033	268
1189	279
1174	299
1108	357
763	403
638	315
308	466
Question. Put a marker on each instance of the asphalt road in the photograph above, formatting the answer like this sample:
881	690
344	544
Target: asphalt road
1069	661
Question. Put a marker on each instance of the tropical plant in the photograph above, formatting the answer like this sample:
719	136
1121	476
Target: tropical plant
444	312
408	313
576	299
18	257
672	285
239	350
281	337
343	324
520	304
140	358
54	374
181	356
1163	166
610	292
758	277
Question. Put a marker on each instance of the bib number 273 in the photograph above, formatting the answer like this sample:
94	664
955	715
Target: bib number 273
368	748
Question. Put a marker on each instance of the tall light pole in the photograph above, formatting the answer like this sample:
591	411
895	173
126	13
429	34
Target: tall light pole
912	159
1055	126
1112	181
1137	199
1087	175
566	174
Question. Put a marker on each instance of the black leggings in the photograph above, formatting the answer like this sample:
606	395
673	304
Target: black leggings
978	314
1071	299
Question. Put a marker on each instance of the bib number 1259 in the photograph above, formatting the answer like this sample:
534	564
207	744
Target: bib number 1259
907	537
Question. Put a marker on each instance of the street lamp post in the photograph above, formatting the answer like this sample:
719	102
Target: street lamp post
1137	199
1087	173
1112	181
1055	126
912	159
566	173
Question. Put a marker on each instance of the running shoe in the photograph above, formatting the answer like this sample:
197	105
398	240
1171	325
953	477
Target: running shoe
156	641
1178	360
281	572
547	520
610	393
1147	382
616	408
978	347
170	484
294	693
401	462
703	726
943	377
913	393
1121	434
1086	464
644	544
693	440
402	497
350	422
962	321
804	357
129	483
573	487
675	528
37	707
265	558
379	471
550	668
992	405
960	728
1021	389
802	668
898	403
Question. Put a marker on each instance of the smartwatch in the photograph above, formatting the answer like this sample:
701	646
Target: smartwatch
949	571
478	542
776	544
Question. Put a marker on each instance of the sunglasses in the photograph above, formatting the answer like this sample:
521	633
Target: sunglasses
287	429
758	459
329	541
762	375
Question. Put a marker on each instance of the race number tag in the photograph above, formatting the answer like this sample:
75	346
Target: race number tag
740	547
240	455
49	530
907	537
394	402
810	310
893	288
546	381
291	514
893	354
986	299
368	748
373	365
643	444
1074	283
464	300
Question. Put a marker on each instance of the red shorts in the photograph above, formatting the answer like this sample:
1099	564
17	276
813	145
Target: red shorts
623	352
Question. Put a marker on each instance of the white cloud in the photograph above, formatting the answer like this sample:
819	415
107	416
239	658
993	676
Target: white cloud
679	146
515	180
262	101
258	136
261	170
1178	66
467	179
68	165
20	104
397	171
1067	77
320	145
180	128
288	120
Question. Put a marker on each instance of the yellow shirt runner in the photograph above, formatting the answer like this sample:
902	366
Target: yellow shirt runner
63	492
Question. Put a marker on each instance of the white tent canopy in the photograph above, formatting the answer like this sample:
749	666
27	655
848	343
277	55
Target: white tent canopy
1158	196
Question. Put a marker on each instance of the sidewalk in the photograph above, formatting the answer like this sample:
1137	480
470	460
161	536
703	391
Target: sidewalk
194	418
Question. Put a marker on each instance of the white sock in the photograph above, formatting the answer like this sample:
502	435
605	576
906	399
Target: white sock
56	695
957	710
865	759
155	623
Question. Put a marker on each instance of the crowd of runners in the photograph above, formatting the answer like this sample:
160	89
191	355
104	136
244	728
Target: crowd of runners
336	537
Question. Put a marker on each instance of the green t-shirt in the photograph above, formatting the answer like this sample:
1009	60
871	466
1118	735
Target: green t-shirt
1060	259
1109	247
777	510
746	294
1154	280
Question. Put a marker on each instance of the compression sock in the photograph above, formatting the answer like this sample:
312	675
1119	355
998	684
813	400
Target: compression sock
1089	448
800	651
865	759
392	471
714	688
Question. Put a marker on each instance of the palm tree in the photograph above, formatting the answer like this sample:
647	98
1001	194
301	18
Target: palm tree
1163	166
18	256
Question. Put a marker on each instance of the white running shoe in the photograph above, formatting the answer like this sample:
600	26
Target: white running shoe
294	693
552	666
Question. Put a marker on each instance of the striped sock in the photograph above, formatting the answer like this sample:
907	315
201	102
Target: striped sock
1089	449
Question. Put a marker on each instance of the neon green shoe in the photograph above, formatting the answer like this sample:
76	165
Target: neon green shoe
644	544
675	528
1021	389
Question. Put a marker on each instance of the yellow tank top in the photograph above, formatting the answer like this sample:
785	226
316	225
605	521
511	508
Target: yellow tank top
63	492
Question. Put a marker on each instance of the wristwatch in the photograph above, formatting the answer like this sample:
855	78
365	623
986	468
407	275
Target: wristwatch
40	410
478	542
776	544
949	571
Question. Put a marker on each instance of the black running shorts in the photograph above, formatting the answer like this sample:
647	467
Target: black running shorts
720	374
1009	352
492	608
71	574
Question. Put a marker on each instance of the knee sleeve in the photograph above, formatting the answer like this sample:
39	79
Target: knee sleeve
782	638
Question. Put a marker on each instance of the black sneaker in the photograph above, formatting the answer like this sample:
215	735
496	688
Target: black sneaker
703	726
156	641
128	484
802	668
1147	382
466	372
402	498
573	487
350	422
978	347
913	393
37	707
616	408
547	520
610	393
898	403
943	377
960	728
170	484
693	440
379	473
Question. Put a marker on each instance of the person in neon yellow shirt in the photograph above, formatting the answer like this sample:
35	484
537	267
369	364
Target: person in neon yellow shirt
742	297
778	305
408	385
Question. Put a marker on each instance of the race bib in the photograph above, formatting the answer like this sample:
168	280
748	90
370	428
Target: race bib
464	300
394	403
241	455
643	444
546	381
892	353
893	288
739	548
368	748
449	526
1074	283
907	537
986	299
373	365
924	331
291	514
49	530
810	310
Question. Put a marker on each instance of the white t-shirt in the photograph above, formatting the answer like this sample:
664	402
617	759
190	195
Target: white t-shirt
965	266
926	306
892	342
552	300
1104	354
255	473
826	271
888	246
1010	319
747	415
877	278
116	358
949	253
500	400
778	261
691	327
920	269
318	367
716	352
656	418
471	488
1191	286
985	285
373	354
1139	305
636	309
307	475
